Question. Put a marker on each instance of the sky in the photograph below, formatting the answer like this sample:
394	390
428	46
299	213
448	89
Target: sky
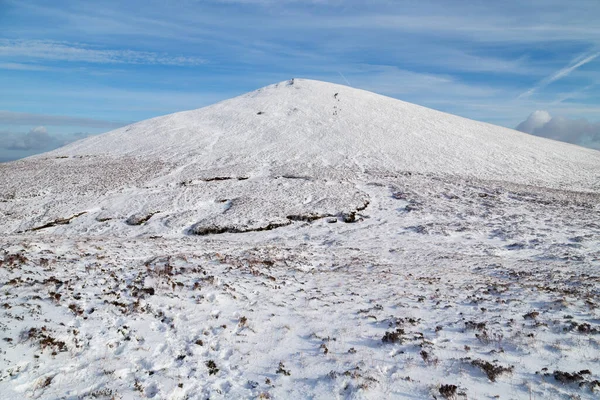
70	69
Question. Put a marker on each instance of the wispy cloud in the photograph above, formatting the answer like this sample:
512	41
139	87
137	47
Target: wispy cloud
63	51
573	65
411	85
23	67
576	94
20	118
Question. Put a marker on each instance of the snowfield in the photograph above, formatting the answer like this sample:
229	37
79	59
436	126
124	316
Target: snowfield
307	240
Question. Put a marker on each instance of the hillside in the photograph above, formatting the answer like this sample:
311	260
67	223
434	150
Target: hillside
295	149
305	126
306	240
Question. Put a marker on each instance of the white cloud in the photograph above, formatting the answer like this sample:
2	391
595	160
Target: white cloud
536	119
63	51
576	131
36	139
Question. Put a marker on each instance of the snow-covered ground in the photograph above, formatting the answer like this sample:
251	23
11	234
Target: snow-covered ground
357	266
451	273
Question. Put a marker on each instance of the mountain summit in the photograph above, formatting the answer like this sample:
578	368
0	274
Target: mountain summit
296	150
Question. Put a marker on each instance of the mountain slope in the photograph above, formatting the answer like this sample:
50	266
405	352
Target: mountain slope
310	124
295	151
367	249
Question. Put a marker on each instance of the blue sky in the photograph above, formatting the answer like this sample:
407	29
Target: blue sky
73	68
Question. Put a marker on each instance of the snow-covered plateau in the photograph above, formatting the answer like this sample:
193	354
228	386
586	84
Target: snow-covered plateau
306	240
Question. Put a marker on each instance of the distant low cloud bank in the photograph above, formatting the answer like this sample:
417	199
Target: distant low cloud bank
15	145
576	131
25	134
36	139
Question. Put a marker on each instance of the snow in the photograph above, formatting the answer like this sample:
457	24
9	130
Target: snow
373	250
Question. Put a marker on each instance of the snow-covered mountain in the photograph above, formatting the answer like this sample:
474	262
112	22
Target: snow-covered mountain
307	125
294	149
307	240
